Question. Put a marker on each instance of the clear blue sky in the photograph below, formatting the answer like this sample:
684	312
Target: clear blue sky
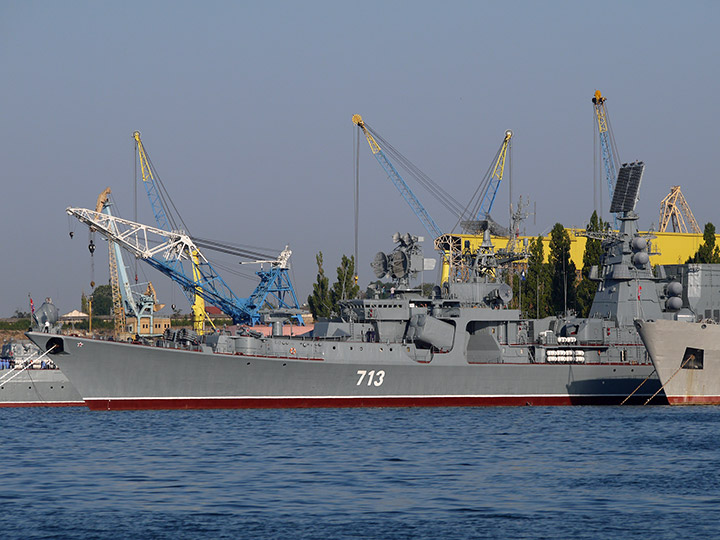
245	110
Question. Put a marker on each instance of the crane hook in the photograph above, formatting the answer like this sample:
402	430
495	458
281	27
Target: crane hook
91	247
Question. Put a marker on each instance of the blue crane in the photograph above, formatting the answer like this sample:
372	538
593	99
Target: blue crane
428	222
495	178
274	283
607	142
160	248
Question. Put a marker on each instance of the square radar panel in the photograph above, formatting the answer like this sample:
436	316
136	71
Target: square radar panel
627	187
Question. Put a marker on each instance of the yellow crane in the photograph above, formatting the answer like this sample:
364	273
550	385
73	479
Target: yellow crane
120	323
675	210
166	222
198	306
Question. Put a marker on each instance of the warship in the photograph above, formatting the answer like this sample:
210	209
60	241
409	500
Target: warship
460	346
29	377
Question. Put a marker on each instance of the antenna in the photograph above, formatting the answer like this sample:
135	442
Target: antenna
625	196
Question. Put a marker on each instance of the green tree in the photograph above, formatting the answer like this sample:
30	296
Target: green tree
536	287
319	301
708	252
586	289
427	289
345	287
102	300
562	271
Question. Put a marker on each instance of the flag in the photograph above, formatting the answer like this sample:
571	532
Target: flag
32	307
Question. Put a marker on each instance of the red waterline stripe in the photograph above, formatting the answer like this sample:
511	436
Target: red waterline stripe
42	404
328	402
694	400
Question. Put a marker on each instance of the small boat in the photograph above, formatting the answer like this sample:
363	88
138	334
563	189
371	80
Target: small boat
29	377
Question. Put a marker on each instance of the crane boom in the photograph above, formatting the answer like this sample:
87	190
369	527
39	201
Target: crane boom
430	225
124	300
495	178
607	143
159	248
148	180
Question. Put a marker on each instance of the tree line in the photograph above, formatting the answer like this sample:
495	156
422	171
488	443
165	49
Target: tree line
556	287
540	289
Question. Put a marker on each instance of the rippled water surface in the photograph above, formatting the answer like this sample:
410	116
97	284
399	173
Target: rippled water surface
560	472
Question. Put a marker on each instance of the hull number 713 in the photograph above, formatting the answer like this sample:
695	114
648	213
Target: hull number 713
372	377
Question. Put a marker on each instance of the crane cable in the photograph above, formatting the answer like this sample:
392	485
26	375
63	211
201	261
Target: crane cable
447	200
356	148
166	201
473	207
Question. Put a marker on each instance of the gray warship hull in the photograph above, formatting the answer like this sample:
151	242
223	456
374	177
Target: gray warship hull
687	359
37	388
299	372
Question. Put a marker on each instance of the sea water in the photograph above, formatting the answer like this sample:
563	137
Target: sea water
410	473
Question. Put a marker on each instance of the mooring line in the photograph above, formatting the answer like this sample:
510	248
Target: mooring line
638	388
670	379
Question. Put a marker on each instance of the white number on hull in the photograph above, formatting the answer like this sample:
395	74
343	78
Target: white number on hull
375	378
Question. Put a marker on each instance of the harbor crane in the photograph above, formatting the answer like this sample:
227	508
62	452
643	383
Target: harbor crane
159	248
275	284
474	217
675	210
430	226
125	300
165	221
481	203
608	148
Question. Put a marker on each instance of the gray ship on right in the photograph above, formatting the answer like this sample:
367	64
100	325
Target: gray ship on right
686	357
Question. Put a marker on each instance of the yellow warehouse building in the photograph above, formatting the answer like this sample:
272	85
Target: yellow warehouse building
667	247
